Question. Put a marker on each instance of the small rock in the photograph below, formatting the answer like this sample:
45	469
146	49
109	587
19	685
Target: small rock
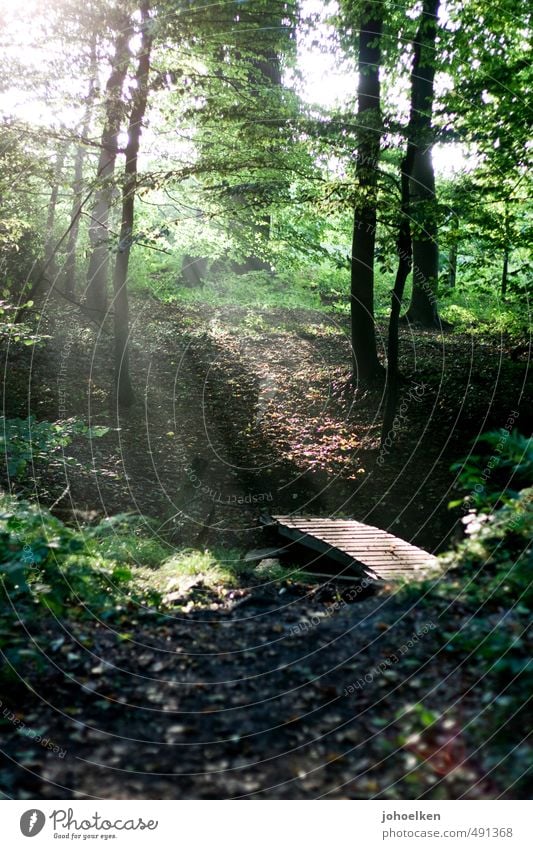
262	553
267	565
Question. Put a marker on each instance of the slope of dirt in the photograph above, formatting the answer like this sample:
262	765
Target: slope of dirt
254	692
240	410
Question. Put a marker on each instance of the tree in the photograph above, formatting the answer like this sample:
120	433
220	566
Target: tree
241	119
453	250
97	274
405	260
69	269
57	176
22	179
366	365
124	389
422	198
486	52
264	82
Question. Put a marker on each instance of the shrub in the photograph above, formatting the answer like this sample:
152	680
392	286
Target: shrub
500	467
50	570
25	441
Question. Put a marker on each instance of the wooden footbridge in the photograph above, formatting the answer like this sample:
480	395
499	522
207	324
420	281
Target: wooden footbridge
370	552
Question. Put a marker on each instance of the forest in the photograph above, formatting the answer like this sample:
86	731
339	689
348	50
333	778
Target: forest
266	469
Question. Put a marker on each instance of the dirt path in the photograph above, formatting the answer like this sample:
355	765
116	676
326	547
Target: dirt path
268	697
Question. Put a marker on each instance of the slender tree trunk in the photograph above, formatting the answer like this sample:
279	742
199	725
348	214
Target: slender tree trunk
423	306
506	253
452	262
505	271
96	293
366	365
49	254
124	389
69	270
405	257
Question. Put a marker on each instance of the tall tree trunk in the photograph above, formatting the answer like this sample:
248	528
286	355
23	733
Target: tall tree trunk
366	366
506	252
505	271
423	306
96	293
124	389
49	248
452	261
69	270
405	258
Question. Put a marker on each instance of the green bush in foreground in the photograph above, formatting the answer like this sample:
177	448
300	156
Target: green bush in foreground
500	465
49	570
485	597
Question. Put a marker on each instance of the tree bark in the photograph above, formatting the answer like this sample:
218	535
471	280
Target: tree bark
124	389
505	271
405	258
423	306
506	253
69	270
452	262
96	293
49	252
366	365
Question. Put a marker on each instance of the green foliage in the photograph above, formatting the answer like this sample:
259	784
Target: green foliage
21	171
500	468
255	288
47	568
126	539
491	573
26	441
17	332
480	312
498	546
486	595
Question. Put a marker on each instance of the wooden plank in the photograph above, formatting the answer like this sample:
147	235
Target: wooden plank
324	548
369	551
351	543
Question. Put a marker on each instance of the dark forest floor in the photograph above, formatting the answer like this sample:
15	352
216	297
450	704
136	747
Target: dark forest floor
252	692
